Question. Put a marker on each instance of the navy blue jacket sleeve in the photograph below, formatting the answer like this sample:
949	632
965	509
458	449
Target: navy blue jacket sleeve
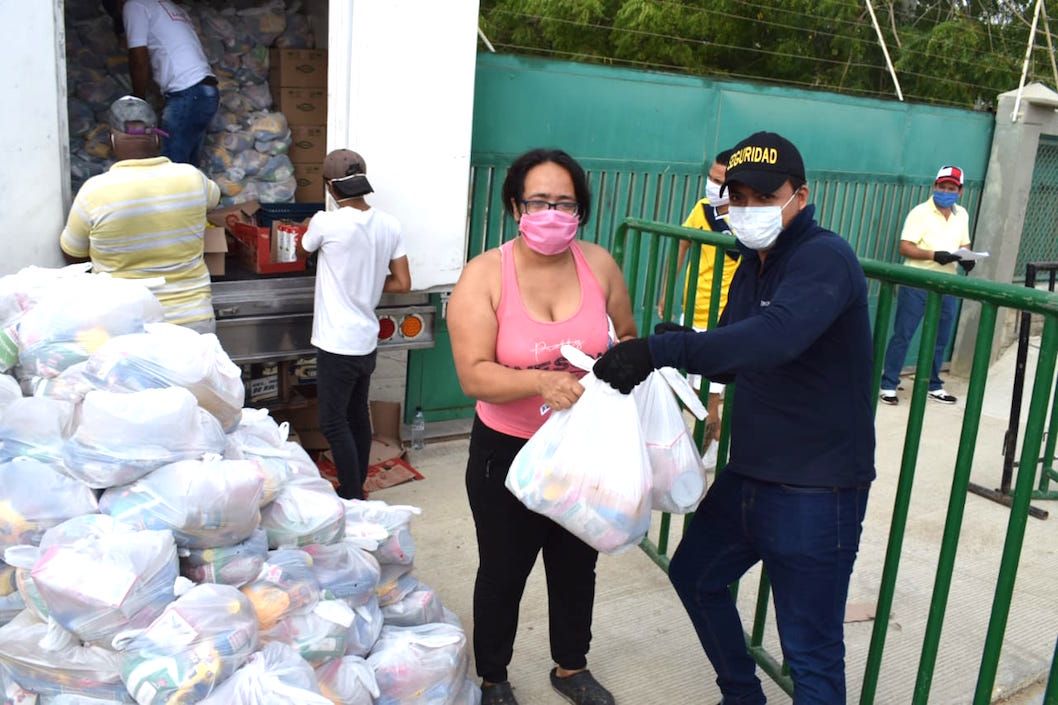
816	287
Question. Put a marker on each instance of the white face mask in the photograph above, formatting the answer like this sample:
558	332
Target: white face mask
756	227
712	192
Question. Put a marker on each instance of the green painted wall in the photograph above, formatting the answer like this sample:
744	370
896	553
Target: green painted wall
646	139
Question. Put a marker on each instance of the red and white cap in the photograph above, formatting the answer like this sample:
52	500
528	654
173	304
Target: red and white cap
949	173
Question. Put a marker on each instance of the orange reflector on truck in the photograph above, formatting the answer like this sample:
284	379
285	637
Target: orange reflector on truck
386	327
411	326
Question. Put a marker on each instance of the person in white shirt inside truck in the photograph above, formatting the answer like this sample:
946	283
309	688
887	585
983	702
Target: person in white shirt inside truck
361	254
163	45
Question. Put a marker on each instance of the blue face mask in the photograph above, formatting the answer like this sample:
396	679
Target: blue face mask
945	199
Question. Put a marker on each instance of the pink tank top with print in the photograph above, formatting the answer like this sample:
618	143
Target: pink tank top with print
523	342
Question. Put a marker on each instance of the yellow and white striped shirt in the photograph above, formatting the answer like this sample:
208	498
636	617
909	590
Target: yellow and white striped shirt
146	218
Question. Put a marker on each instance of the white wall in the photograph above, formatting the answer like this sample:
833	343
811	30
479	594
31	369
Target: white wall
401	93
34	145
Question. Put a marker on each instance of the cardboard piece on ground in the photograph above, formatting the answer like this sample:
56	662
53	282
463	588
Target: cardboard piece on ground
388	473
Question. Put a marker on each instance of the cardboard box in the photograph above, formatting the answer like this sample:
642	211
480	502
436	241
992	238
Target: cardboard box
302	371
261	381
310	182
302	106
305	420
215	246
385	432
297	68
308	144
242	212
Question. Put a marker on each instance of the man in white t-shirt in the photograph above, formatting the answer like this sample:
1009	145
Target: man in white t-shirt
361	254
163	44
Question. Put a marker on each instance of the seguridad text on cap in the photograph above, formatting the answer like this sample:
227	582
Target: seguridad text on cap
764	161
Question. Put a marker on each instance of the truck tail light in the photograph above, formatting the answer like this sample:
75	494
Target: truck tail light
386	327
411	326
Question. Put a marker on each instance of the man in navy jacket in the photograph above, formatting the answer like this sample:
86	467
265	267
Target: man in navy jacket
795	339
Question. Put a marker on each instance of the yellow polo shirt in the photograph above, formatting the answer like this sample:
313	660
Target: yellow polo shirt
706	267
146	218
927	227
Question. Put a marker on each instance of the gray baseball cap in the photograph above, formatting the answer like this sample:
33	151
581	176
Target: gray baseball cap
133	116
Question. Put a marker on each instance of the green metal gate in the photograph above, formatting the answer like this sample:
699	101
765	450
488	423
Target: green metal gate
1039	237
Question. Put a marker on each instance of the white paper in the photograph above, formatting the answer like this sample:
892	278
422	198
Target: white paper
968	254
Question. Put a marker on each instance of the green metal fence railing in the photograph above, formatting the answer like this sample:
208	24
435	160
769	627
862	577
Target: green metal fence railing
645	248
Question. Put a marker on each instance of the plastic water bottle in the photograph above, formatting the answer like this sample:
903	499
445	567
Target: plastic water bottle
418	429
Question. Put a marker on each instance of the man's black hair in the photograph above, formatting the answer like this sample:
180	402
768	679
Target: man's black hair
514	184
723	156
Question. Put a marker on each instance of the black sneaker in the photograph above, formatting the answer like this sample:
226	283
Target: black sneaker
942	396
888	396
498	694
580	689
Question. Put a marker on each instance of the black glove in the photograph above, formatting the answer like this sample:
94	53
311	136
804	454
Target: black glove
671	327
943	257
625	365
967	265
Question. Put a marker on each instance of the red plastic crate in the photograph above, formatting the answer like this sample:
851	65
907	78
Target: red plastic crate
255	251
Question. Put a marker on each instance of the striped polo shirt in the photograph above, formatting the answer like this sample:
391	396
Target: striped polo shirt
146	218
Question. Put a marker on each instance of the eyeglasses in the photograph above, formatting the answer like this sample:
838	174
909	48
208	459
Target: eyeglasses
567	207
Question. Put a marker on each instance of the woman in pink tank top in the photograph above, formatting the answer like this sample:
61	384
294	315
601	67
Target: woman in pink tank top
512	309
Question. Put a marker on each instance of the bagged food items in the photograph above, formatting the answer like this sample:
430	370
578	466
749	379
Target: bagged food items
595	486
677	473
108	579
123	436
37	428
205	503
394	582
318	635
366	626
420	606
77	315
167	355
275	675
344	571
286	585
305	511
231	565
195	643
424	664
64	668
348	681
35	497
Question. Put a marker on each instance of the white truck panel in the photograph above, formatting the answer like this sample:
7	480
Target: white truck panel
401	92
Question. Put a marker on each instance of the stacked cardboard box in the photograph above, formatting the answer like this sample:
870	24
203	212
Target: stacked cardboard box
297	79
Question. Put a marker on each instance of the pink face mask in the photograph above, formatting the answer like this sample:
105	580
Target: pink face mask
548	232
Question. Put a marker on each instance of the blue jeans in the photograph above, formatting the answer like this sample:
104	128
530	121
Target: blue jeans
910	307
185	117
807	538
342	384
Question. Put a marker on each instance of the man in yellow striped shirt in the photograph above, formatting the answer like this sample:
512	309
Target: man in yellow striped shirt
146	217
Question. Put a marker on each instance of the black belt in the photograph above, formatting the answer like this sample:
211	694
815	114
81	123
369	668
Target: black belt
207	81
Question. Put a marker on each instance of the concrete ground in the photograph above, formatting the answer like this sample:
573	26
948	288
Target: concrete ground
644	648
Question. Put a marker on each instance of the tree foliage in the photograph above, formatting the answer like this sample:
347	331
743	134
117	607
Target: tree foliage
951	52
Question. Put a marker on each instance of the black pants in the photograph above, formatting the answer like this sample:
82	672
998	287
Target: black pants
342	384
509	538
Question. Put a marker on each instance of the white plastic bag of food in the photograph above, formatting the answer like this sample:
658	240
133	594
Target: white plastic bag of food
123	436
420	664
167	355
348	680
205	503
195	643
275	675
587	467
677	474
